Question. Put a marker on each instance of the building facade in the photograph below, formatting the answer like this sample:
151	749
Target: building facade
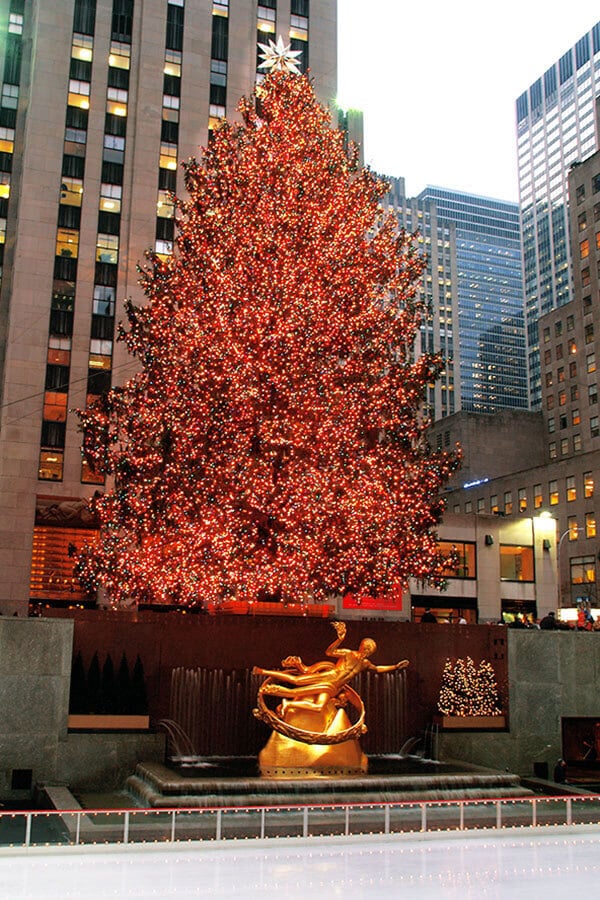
489	328
100	100
565	478
555	128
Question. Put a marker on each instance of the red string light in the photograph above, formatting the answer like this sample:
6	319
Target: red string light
271	443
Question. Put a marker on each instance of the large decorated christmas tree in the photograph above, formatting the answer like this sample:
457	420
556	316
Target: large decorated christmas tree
271	443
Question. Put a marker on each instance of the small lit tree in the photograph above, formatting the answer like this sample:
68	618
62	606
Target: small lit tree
469	690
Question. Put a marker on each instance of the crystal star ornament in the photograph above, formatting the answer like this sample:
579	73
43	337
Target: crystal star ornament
279	57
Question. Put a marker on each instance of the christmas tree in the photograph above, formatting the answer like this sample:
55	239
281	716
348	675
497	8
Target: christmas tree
271	443
469	690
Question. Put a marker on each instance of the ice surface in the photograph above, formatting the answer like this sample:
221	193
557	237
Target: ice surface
485	866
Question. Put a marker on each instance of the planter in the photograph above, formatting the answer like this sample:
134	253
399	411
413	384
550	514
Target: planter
108	723
470	723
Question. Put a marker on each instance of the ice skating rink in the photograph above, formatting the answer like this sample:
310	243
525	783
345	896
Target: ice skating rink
509	866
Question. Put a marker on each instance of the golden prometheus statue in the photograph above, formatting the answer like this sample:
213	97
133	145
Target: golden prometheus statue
312	731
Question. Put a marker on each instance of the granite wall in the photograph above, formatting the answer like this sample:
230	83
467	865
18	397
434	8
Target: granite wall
35	673
552	675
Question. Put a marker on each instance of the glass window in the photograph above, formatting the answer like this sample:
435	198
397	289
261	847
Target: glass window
67	242
553	492
575	417
119	55
573	369
585	276
546	334
494	503
559	351
522	499
168	156
508	503
584	249
570	323
51	465
516	563
107	248
164	205
462	556
589	333
560	374
591	362
110	197
564	446
552	450
588	484
583	570
590	525
572	346
480	504
562	397
104	300
537	496
82	47
571	489
594	426
558	328
577	443
551	425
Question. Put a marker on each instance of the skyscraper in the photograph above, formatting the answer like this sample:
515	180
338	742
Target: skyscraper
100	99
555	128
489	328
437	239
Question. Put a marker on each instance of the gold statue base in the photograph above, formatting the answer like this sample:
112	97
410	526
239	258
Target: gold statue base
284	757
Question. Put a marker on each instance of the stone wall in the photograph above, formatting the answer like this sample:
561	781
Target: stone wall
552	675
35	674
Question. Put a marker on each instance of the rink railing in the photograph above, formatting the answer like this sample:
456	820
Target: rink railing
86	827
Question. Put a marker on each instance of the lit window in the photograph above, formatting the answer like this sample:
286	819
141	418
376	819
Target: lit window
110	197
164	248
107	248
2	231
508	504
584	249
170	101
4	185
591	362
494	503
164	206
67	242
82	47
516	563
522	499
15	23
172	63
575	417
51	465
98	360
168	156
590	525
7	140
119	55
71	191
10	96
55	406
463	558
588	485
537	496
553	492
583	570
571	490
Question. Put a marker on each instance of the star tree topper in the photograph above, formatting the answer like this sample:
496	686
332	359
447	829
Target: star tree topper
278	57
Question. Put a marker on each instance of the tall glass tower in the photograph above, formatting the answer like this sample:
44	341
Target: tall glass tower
491	331
555	129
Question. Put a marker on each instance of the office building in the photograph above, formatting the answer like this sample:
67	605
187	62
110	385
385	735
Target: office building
566	438
489	328
437	241
100	99
555	128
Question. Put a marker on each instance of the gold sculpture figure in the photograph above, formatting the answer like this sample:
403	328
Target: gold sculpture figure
312	733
